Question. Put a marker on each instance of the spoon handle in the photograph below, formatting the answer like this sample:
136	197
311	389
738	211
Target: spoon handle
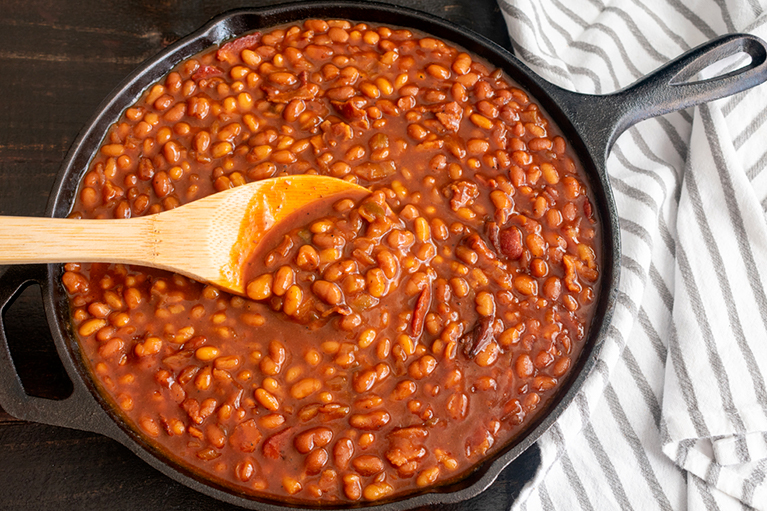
31	240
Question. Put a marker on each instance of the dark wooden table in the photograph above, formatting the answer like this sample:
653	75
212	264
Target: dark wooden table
58	60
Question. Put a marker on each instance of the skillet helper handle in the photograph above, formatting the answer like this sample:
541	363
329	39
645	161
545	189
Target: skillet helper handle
672	87
78	410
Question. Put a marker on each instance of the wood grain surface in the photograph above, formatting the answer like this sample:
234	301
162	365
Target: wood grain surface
58	61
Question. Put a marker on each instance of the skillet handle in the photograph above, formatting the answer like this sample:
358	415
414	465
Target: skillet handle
602	118
79	410
669	88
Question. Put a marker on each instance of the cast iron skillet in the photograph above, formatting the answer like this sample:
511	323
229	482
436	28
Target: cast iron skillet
591	124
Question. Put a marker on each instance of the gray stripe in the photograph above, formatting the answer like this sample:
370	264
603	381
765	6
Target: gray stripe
650	399
750	129
752	271
611	475
601	366
693	18
636	446
598	51
733	102
621	49
543	493
638	34
570	14
663	290
685	446
705	493
519	15
756	7
699	312
670	33
633	266
650	154
645	172
726	16
657	344
753	481
688	390
665	234
764	204
637	230
665	437
712	473
635	193
676	139
758	22
534	59
741	448
567	465
755	169
626	301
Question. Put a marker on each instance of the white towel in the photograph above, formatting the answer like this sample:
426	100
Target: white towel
675	414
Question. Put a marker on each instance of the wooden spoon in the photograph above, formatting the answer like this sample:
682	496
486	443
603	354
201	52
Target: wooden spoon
208	240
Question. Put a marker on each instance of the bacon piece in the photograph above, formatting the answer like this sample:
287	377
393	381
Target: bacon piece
464	193
307	92
232	49
274	447
406	450
450	115
479	337
476	243
494	235
206	72
422	306
350	109
245	436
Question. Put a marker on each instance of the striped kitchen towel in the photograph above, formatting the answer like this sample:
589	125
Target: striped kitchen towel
675	414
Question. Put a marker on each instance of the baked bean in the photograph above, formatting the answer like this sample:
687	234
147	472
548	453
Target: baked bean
377	491
328	292
524	366
370	421
316	460
305	388
343	451
526	285
267	400
428	477
282	280
313	438
561	366
368	465
422	367
91	326
352	487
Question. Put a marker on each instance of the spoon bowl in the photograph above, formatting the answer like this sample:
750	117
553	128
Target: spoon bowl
208	240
